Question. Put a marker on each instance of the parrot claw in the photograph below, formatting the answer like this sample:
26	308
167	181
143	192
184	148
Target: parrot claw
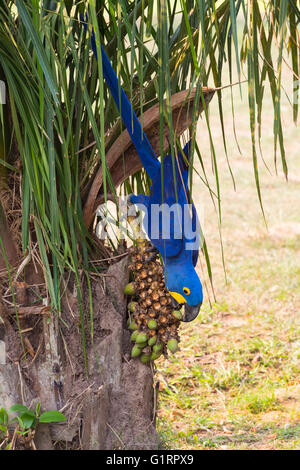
127	208
153	250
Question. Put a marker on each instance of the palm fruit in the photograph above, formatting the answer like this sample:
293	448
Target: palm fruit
177	314
131	306
152	340
172	345
152	324
133	325
151	311
141	338
157	348
129	289
152	333
136	351
145	358
155	356
134	335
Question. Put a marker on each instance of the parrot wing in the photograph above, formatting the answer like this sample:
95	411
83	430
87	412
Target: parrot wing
182	195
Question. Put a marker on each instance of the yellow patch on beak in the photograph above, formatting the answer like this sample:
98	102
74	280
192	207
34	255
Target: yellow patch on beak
178	297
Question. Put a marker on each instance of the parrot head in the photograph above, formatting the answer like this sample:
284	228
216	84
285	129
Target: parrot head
186	289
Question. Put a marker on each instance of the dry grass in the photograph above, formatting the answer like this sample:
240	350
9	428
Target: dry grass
235	384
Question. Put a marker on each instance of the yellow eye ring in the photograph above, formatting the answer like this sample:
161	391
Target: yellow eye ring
186	291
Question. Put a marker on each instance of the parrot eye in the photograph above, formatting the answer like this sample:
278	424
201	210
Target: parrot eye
186	291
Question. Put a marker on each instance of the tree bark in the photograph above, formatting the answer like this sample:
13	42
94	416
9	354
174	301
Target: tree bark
7	241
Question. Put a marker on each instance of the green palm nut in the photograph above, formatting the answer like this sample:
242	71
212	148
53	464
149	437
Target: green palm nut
152	340
141	345
129	289
152	324
172	345
141	338
135	352
131	306
134	335
133	326
177	314
155	356
145	358
157	348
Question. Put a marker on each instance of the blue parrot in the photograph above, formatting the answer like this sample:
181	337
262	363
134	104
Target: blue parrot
170	220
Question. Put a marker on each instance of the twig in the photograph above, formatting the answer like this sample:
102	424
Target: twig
22	266
108	259
35	356
72	401
230	85
21	383
5	441
67	353
14	438
31	310
32	444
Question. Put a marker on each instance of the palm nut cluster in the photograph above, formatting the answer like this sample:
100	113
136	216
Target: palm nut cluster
152	319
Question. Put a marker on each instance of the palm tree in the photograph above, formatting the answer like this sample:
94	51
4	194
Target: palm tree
62	153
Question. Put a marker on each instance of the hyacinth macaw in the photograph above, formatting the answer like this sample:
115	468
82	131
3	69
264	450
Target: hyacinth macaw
180	249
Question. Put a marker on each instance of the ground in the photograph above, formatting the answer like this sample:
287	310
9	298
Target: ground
235	383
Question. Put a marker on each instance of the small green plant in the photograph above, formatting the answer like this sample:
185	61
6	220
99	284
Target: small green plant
4	433
258	405
29	419
27	422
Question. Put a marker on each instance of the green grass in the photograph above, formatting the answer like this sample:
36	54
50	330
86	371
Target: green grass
235	383
260	404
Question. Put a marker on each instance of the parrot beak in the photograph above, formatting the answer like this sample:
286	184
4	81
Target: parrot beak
175	303
190	312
